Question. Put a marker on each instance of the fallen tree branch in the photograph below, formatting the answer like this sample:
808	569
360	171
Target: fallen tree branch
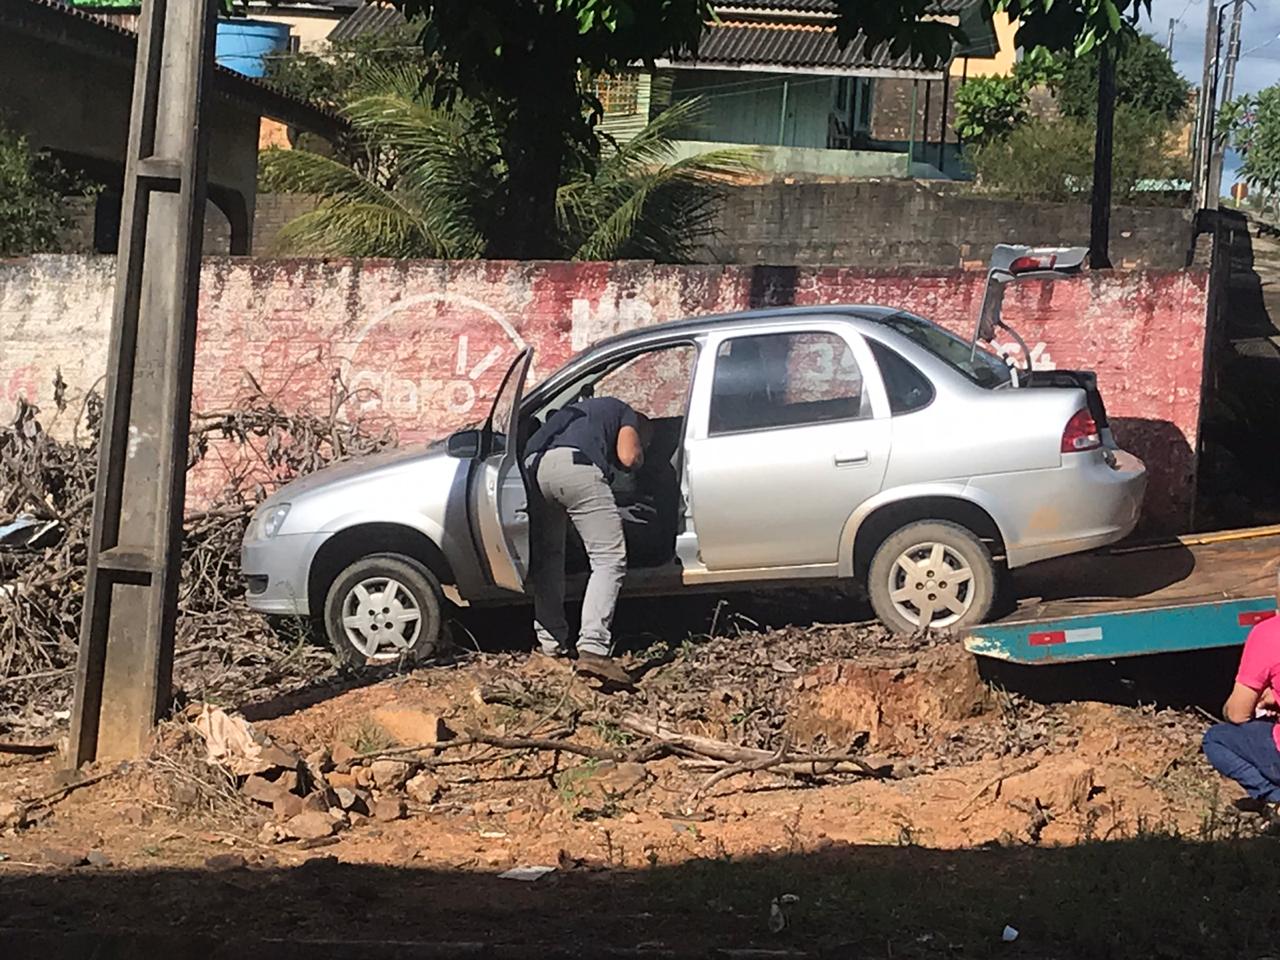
804	764
744	766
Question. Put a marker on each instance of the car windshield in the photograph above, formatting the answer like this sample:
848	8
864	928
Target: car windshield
981	366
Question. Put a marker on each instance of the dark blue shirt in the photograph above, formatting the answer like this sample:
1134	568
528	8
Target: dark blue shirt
590	426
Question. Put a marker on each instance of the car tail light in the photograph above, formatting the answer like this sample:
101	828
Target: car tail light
1027	264
1081	433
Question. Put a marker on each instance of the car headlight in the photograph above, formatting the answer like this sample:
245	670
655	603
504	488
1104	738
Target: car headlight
272	520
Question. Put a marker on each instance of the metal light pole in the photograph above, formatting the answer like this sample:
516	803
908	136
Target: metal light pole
126	634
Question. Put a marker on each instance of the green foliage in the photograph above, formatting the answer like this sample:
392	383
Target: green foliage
32	188
1053	159
1146	81
993	106
989	107
429	181
1252	125
338	76
1076	25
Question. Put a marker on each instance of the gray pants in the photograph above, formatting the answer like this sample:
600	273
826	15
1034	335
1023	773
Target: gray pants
575	492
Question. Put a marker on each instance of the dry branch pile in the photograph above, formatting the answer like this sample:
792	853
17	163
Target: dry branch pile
222	649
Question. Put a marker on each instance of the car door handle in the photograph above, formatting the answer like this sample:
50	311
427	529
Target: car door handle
852	458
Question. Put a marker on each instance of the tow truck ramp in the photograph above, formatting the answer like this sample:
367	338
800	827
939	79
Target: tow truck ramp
1191	593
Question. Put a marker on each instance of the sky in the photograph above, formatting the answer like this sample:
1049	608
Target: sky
1259	44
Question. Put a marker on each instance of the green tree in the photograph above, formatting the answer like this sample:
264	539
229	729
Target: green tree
1053	159
337	75
1145	80
530	64
988	107
1252	124
32	186
1083	26
432	181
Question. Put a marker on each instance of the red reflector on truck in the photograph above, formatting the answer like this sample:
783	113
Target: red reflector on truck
1050	637
1255	617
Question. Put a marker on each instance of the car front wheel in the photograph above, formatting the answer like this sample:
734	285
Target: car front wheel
384	608
931	575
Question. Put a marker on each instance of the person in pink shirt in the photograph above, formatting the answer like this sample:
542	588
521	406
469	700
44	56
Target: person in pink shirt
1247	747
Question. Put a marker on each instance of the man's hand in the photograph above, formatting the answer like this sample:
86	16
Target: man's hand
640	513
1240	706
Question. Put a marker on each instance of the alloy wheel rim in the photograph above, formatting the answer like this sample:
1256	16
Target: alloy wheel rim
931	585
381	619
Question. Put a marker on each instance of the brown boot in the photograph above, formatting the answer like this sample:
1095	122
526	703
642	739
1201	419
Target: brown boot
603	668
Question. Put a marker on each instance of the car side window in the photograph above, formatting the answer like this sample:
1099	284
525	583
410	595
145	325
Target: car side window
909	389
785	380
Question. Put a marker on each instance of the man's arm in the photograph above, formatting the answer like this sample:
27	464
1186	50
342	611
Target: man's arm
1242	703
630	449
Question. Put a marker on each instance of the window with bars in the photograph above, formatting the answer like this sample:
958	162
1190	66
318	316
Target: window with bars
619	94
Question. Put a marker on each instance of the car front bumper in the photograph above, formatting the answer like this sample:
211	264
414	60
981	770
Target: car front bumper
276	573
1082	505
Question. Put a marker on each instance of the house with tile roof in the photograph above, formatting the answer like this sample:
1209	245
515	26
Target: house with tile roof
771	74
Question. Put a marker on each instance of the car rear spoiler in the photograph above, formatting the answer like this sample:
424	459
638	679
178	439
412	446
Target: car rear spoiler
1011	262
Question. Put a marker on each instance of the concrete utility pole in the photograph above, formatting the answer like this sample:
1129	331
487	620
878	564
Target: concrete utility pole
1204	108
1214	187
126	632
1168	48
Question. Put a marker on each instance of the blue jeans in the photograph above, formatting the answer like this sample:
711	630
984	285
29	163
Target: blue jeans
1246	752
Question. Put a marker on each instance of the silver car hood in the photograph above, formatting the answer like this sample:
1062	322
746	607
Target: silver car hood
358	468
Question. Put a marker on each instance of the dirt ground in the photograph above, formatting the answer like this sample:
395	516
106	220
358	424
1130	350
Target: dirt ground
1087	827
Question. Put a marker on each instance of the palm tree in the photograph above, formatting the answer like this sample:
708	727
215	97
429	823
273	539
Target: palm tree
428	181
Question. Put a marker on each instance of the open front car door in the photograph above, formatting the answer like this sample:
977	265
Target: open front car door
499	500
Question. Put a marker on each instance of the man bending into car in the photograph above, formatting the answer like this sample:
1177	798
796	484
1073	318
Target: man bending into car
571	461
1247	747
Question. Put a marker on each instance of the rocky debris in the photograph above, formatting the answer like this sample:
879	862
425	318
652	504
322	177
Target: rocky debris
287	806
352	800
309	825
389	774
259	788
342	755
423	788
1060	787
387	809
411	726
341	781
96	858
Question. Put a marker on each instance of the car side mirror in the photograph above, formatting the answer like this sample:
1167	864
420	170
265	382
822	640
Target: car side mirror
465	444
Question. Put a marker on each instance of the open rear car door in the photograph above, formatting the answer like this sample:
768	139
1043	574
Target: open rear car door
499	500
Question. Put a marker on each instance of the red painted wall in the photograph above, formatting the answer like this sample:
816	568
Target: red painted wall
426	343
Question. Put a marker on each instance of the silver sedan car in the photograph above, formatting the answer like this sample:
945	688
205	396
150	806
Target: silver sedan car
835	443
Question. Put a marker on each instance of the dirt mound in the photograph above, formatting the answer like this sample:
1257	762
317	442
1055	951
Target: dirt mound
903	705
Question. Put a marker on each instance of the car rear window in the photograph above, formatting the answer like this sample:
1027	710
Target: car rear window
978	366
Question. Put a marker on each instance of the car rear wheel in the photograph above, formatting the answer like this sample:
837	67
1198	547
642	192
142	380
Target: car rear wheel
384	608
931	575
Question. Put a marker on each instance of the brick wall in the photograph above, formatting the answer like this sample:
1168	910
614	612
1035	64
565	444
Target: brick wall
425	343
860	223
895	223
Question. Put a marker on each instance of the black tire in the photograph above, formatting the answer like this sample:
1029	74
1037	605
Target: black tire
960	550
413	588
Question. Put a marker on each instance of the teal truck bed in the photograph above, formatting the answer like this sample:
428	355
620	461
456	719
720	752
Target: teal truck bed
1191	593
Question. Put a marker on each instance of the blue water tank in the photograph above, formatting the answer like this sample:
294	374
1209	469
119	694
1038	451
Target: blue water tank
242	44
